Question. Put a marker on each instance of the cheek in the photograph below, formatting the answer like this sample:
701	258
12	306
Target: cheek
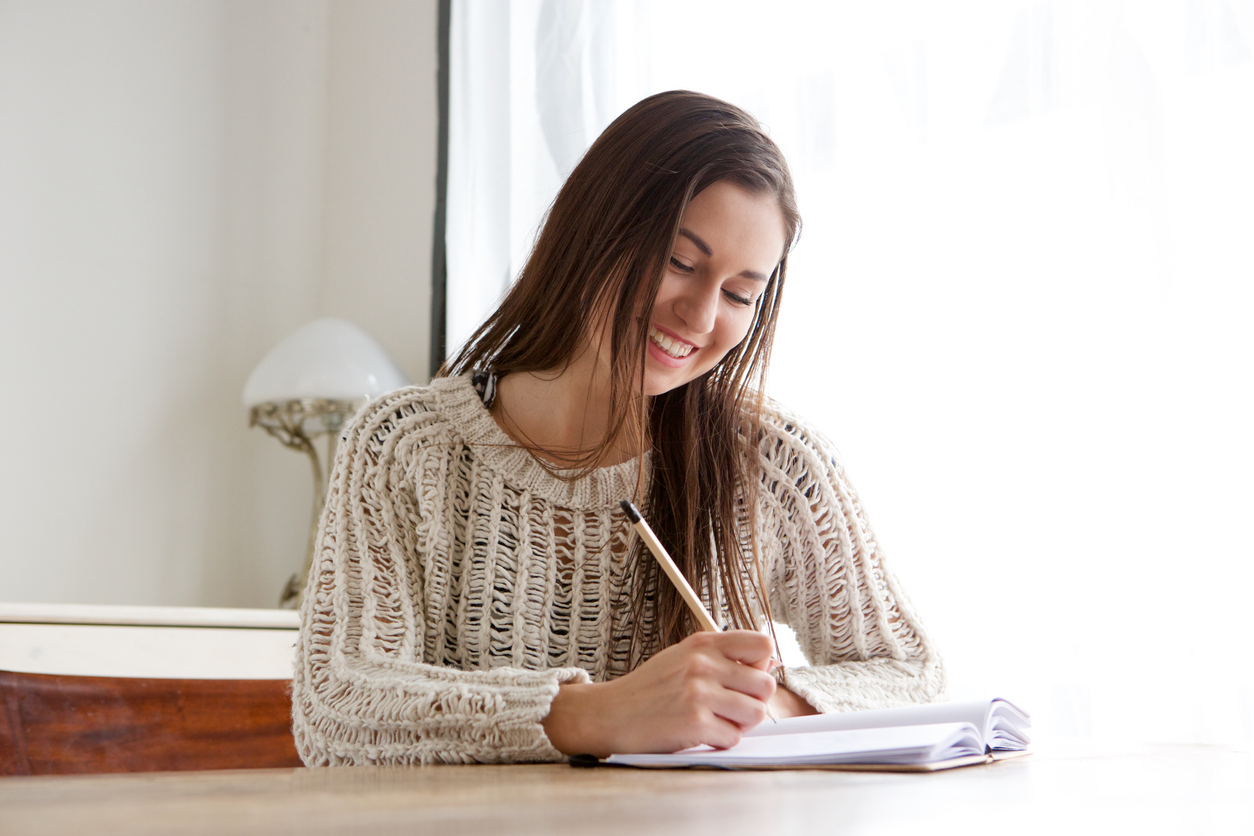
732	332
738	326
666	293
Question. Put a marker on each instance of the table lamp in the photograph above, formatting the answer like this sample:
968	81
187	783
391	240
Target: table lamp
305	389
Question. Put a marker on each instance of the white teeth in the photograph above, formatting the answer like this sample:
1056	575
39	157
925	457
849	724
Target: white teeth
674	348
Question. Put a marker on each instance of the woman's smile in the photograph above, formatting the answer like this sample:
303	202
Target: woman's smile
730	241
668	348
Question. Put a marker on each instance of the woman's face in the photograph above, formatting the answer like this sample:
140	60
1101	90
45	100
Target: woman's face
729	243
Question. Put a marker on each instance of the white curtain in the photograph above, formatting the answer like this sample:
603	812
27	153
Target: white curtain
1021	304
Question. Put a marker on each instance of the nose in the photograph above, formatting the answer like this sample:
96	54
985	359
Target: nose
698	307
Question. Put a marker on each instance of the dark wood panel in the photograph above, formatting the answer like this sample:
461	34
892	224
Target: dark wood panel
55	725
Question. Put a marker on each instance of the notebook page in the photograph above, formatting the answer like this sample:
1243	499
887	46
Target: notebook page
974	713
893	745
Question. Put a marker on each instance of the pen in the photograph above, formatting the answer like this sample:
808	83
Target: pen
668	565
672	571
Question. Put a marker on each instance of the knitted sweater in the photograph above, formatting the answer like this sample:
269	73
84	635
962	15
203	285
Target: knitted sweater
457	584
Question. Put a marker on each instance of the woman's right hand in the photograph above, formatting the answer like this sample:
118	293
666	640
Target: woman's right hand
710	688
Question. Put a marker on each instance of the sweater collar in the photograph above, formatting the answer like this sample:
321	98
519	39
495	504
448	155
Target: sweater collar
604	487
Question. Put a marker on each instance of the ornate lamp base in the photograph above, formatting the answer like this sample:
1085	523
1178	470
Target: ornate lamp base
298	424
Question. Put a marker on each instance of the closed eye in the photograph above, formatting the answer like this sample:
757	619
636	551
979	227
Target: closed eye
739	300
680	266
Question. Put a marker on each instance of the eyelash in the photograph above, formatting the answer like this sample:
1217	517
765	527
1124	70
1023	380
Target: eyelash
684	268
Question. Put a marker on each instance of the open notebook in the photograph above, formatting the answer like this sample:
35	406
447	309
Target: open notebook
920	738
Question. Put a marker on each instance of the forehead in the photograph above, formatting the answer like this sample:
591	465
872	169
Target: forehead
731	222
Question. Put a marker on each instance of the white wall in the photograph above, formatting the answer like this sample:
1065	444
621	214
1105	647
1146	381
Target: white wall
182	184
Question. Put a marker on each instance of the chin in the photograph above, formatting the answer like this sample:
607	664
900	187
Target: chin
654	386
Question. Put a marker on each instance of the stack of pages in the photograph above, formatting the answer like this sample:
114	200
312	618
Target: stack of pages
919	738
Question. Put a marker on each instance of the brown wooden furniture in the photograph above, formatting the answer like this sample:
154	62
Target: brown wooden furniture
74	724
86	688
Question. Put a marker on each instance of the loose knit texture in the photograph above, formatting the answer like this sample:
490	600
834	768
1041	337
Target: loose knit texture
457	584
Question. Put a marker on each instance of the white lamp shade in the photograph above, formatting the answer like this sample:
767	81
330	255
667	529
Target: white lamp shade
331	359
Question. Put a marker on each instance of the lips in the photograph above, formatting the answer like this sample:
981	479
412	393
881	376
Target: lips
672	346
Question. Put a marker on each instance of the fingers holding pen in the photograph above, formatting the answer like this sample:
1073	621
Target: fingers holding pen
748	647
725	674
710	688
744	660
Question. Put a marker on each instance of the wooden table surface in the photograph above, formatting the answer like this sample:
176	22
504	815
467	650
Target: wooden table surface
1176	790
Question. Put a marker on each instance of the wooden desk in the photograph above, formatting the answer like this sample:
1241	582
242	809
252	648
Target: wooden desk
1171	790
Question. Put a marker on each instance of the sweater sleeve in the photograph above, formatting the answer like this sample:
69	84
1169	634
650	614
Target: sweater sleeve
829	582
362	693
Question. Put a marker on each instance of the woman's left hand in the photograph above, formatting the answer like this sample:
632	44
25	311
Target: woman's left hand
786	703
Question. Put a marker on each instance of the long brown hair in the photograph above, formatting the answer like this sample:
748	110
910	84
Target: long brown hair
601	253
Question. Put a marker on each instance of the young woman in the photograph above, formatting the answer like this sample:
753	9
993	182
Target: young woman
478	594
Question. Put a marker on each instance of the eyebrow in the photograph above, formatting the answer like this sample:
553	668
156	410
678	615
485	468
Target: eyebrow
705	248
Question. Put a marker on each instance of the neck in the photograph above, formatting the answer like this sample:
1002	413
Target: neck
563	415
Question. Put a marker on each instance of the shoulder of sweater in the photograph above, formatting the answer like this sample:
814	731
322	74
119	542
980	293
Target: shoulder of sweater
385	414
794	456
784	433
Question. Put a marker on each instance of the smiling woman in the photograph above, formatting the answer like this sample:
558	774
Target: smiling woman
728	246
477	595
705	306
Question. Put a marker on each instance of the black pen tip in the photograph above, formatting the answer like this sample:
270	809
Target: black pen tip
630	511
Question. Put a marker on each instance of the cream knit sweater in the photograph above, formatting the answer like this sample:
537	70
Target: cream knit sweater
457	584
